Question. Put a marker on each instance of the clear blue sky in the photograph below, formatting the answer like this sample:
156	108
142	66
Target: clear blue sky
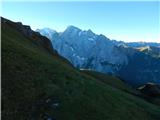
127	21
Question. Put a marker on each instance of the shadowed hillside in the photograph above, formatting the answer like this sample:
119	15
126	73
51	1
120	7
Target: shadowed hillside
38	84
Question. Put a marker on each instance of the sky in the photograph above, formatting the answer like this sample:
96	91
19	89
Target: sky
119	20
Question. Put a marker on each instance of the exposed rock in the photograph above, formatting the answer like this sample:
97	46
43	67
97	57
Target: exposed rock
26	30
150	89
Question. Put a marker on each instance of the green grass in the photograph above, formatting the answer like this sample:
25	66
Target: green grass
31	74
110	80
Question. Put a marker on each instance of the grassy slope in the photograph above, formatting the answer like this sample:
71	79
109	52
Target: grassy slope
30	74
119	84
108	79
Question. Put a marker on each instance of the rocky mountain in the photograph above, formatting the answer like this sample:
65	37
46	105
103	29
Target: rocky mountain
87	50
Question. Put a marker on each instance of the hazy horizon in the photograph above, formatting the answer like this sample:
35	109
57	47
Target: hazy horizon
121	21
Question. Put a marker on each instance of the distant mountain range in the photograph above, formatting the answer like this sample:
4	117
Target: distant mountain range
87	50
137	44
142	44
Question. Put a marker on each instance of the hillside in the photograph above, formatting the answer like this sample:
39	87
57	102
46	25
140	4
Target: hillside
38	84
112	81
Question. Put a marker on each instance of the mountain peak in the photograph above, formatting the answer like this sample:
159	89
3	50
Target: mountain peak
46	30
71	27
89	31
